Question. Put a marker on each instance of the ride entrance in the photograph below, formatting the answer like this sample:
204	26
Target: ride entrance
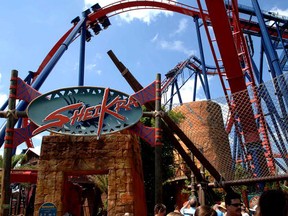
239	139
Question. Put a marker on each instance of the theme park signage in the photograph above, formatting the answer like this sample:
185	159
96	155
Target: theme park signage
84	111
48	209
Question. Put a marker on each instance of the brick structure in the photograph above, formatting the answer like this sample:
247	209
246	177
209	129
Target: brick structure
203	124
117	155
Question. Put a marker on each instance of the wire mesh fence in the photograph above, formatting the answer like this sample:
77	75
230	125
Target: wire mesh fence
243	136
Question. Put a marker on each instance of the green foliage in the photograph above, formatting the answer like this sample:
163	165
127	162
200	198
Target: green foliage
15	162
17	159
1	161
241	173
101	181
185	190
177	117
284	186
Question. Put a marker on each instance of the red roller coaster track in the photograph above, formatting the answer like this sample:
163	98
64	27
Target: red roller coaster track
228	30
216	14
229	47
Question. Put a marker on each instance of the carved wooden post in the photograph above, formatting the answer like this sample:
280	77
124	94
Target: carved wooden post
158	143
8	147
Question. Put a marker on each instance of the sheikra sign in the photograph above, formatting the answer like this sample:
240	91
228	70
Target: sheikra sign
84	111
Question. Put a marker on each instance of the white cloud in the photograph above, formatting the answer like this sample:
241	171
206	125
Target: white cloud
187	91
145	15
93	68
3	98
182	26
36	140
280	12
99	72
37	149
176	46
90	67
154	38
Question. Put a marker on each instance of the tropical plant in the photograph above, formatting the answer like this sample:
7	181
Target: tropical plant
101	181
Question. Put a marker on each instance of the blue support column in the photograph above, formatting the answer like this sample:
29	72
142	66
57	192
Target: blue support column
273	60
206	86
274	64
48	68
178	92
82	55
82	49
195	86
171	97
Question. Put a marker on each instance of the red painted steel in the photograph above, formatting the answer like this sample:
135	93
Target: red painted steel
23	176
232	67
233	49
120	6
217	14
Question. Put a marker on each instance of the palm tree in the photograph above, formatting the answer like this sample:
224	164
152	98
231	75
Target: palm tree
101	181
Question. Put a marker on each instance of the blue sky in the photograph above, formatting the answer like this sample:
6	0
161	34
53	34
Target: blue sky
146	41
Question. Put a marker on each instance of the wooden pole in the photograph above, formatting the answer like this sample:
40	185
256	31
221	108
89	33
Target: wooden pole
136	86
8	147
193	180
158	143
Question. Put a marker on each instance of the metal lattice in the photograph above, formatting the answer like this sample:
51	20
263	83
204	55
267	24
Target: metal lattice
215	128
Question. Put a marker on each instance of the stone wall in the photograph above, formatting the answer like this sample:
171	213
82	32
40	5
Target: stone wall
203	124
117	155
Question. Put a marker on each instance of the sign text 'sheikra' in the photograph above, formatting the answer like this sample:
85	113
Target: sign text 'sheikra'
112	111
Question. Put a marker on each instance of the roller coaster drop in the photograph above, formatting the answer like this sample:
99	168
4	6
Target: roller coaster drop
234	66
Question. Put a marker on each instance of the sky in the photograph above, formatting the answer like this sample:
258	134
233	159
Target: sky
147	42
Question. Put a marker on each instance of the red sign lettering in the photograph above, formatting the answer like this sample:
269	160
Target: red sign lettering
81	113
